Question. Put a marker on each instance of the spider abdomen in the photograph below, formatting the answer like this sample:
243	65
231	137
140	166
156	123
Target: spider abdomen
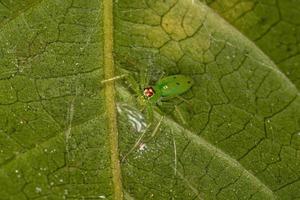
173	85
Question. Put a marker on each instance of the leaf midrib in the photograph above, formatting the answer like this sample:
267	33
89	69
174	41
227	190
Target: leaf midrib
110	103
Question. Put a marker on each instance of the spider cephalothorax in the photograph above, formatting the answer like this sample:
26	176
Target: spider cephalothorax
149	92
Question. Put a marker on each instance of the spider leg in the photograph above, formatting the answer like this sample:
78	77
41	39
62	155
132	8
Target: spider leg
158	110
113	78
137	143
162	75
183	99
144	78
139	140
149	112
173	107
133	84
179	115
129	79
155	130
165	107
150	116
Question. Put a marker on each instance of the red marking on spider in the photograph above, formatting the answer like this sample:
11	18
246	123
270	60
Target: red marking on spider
149	92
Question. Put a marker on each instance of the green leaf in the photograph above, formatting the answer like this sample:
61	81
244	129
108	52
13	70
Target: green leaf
66	134
272	25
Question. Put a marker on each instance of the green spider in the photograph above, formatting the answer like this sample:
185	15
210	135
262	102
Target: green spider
164	89
148	96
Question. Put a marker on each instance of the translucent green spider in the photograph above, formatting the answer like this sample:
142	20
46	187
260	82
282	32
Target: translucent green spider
164	89
150	95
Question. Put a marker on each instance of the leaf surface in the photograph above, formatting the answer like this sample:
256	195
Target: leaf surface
272	25
235	136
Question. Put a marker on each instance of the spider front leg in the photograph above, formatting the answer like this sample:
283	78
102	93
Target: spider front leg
143	81
145	104
144	78
149	113
114	78
133	84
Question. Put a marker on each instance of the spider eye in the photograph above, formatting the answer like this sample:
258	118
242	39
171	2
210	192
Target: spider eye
149	92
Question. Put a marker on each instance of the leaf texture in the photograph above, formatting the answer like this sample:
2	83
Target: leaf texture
235	136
